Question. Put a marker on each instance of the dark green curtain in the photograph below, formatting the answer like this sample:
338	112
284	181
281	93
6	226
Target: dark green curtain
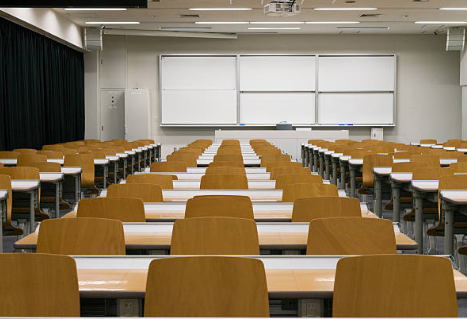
41	89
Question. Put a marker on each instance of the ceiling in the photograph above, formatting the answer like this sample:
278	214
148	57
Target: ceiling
398	15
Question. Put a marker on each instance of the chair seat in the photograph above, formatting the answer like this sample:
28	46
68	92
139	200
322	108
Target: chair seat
23	213
403	200
438	230
410	216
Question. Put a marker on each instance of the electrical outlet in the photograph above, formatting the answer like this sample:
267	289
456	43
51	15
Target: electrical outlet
311	308
129	308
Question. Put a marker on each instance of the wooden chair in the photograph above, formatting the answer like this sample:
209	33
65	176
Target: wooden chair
371	161
229	150
8	228
51	154
291	170
39	285
430	160
214	236
292	192
189	158
9	154
230	142
81	236
308	209
273	165
406	167
379	279
25	151
47	167
148	193
206	286
219	206
229	157
224	182
285	180
25	160
54	147
428	141
226	163
86	162
270	158
459	167
164	181
122	209
351	236
225	170
172	166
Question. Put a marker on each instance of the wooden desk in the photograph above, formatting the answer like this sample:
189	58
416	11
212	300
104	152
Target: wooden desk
290	238
254	194
3	213
263	211
453	201
30	187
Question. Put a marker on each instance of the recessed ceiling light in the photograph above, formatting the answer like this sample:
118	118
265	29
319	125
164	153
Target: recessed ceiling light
453	9
185	28
271	28
277	22
112	22
363	28
441	22
95	9
345	9
221	9
332	22
222	22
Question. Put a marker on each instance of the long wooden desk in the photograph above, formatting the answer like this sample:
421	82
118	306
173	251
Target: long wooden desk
254	194
263	211
284	237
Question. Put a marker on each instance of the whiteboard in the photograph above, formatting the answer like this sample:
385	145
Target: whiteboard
198	73
199	107
356	108
272	108
277	73
356	73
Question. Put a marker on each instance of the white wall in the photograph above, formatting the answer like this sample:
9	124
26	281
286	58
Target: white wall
92	95
47	22
428	91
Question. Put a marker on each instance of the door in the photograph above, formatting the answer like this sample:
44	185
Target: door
112	114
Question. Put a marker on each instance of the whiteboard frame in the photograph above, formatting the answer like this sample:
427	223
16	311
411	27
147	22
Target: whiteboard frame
316	92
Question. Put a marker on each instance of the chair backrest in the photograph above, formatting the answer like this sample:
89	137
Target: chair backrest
39	285
406	154
86	162
226	163
229	157
273	165
230	142
224	182
292	192
451	155
428	141
380	279
285	180
26	159
148	193
270	158
172	166
459	167
81	236
25	151
55	147
5	184
291	170
214	236
122	209
164	181
351	236
206	286
219	206
427	173
229	150
371	161
406	167
22	172
47	167
52	154
308	209
431	160
189	158
9	154
223	170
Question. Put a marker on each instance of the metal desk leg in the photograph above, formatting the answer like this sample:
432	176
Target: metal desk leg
3	211
448	229
32	213
396	202
418	220
57	200
378	196
115	172
132	164
125	165
315	162
334	173
326	162
139	162
321	166
342	186
353	182
77	188
106	173
303	156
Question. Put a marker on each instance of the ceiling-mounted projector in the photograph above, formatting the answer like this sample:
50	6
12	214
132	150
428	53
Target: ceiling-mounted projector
282	8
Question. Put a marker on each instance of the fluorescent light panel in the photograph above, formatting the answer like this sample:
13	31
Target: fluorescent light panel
364	28
332	22
271	28
95	9
453	9
222	22
185	28
277	22
221	9
112	22
441	22
345	9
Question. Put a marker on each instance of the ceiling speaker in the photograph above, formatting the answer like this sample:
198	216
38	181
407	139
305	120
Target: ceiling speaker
456	39
93	39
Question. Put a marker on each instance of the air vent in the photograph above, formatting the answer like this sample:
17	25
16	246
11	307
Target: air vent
370	15
189	16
